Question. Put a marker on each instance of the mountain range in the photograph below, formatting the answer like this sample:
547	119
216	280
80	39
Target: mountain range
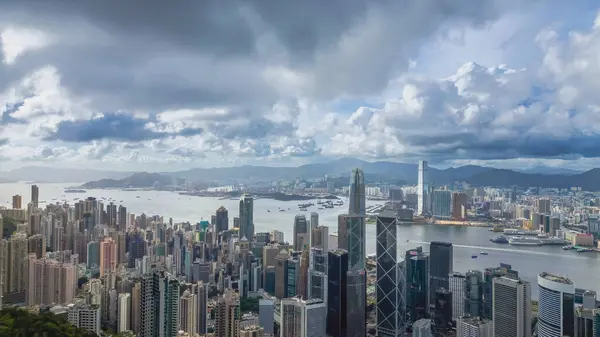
374	171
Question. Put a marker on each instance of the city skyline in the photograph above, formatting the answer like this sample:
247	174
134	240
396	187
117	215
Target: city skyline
253	93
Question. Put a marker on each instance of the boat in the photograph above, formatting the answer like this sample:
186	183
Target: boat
303	210
269	210
137	196
524	241
473	256
483	253
567	247
499	239
74	190
282	210
496	230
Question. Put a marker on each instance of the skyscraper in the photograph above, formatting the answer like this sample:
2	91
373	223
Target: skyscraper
458	287
228	314
188	315
317	274
35	195
247	217
440	266
556	313
122	218
314	220
417	284
442	204
511	300
423	189
108	256
351	237
357	193
300	228
222	220
337	296
111	215
391	319
319	238
474	293
303	318
200	289
159	305
459	206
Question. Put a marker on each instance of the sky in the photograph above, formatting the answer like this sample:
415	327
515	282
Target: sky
163	86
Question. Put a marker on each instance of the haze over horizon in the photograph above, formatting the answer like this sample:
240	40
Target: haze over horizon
173	86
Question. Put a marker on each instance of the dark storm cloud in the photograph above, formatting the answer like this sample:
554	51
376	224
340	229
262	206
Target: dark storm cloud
207	53
112	126
472	145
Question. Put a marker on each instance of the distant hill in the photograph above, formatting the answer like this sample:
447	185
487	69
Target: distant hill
136	180
400	173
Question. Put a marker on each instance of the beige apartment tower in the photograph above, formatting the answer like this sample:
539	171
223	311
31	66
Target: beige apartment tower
108	256
228	315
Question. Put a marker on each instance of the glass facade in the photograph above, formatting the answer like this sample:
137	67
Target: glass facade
441	265
356	303
337	293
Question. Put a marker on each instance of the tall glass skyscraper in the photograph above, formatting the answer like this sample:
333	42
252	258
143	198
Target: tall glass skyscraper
556	316
440	267
337	296
390	307
351	237
246	217
423	189
357	193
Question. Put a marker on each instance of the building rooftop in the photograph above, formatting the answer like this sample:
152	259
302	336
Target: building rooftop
556	278
474	321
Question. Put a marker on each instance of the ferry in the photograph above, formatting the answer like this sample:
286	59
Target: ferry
499	239
525	241
473	256
483	253
514	231
567	247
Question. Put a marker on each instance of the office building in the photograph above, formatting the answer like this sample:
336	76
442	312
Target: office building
357	197
228	315
474	293
511	300
442	204
356	303
417	284
442	310
458	287
17	202
459	206
556	313
221	220
351	237
488	276
319	238
337	266
159	305
266	309
246	217
423	189
317	274
122	218
474	327
543	206
422	328
84	316
300	228
314	220
303	318
391	318
440	265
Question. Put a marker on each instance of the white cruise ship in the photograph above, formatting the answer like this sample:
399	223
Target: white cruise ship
525	241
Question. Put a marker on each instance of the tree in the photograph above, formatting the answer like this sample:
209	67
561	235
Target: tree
10	226
249	304
15	322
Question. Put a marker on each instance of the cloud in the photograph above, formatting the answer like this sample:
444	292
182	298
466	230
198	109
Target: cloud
111	126
17	41
123	83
